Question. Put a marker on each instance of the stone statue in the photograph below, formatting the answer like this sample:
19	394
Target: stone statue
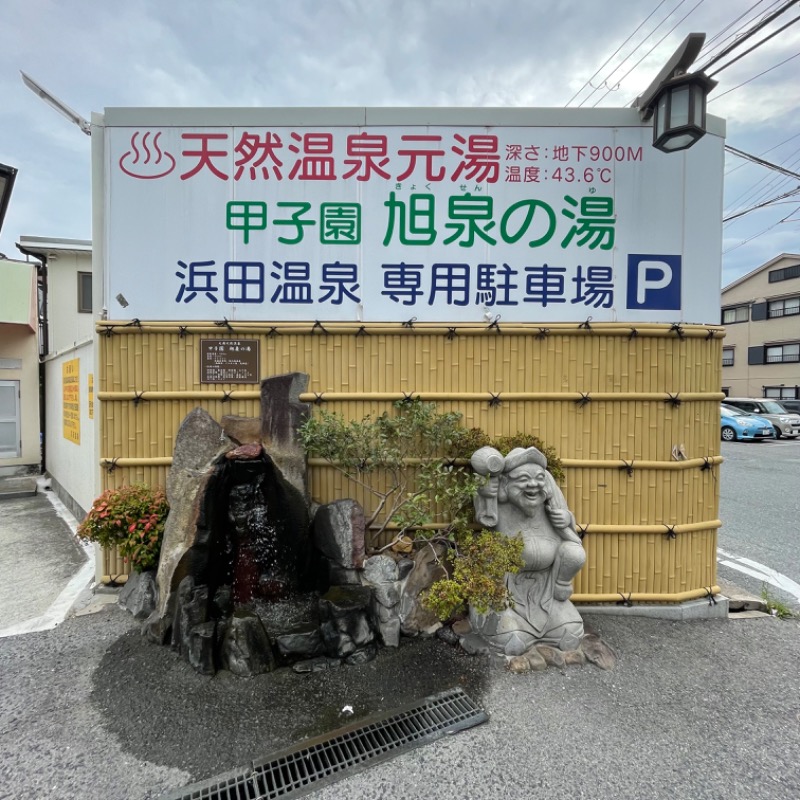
521	498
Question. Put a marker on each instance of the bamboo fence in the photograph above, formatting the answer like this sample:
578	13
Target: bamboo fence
619	403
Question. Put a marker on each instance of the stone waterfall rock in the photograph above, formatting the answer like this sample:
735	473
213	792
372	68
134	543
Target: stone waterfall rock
242	430
200	647
245	647
200	441
428	567
345	624
381	575
138	596
339	529
282	414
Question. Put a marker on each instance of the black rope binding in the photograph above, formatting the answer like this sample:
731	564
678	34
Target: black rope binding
677	329
712	601
586	324
584	399
319	398
670	533
451	334
543	333
633	334
182	330
409	323
109	331
626	601
495	400
710	334
135	322
226	396
111	465
362	331
582	530
673	399
318	326
273	331
408	397
495	323
627	466
223	323
706	464
137	398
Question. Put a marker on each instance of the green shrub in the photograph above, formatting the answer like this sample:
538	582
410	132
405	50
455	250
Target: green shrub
475	438
131	519
410	497
480	561
439	488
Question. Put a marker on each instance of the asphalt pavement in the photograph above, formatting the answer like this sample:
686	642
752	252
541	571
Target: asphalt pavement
89	709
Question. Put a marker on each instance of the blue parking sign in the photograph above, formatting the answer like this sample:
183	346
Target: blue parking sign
654	282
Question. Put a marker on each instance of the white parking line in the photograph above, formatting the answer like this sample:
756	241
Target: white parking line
760	572
60	607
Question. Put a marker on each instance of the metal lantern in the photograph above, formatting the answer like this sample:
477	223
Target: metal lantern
679	111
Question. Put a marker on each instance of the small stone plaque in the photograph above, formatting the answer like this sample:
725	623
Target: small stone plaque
229	361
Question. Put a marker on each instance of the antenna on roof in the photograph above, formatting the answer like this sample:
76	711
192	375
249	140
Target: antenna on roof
54	102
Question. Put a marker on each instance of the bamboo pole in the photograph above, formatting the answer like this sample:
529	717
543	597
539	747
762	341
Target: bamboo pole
111	328
646	597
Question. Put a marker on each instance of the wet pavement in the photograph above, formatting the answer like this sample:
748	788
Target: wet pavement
704	709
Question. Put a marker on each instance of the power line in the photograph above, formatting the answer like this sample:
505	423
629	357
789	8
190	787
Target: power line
761	161
768	185
589	82
709	50
744	83
762	205
700	2
760	233
755	46
631	54
774	147
748	33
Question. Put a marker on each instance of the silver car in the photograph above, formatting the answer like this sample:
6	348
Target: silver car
786	423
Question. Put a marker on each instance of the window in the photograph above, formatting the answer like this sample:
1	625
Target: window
783	353
780	392
735	314
783	308
727	356
784	274
85	292
10	445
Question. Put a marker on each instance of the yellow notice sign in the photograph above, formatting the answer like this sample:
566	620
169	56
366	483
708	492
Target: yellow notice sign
91	396
71	390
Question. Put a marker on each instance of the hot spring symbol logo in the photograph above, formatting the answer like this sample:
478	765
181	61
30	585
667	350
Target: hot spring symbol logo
146	160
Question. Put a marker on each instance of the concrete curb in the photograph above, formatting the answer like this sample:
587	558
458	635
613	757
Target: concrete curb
704	608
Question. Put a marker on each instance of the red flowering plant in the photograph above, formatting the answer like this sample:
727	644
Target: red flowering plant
131	519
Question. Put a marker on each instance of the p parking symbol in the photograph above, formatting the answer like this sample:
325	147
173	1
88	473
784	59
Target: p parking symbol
654	282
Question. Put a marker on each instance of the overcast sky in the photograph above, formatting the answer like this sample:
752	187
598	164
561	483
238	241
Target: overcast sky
516	53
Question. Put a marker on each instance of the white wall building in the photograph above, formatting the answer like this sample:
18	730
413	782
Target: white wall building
68	374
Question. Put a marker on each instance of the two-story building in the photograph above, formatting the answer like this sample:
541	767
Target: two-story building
19	369
761	313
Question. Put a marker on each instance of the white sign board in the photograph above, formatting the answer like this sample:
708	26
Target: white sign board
445	222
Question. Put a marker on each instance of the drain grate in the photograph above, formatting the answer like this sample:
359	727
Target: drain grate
324	759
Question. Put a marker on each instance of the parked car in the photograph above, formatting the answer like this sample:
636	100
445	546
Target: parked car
785	423
792	406
737	426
